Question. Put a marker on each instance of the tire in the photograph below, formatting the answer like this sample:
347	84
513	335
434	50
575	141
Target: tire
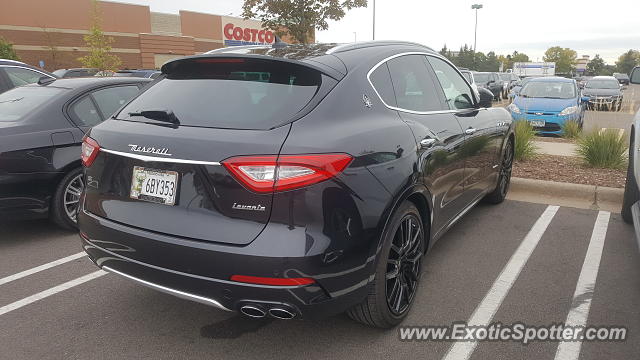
504	177
631	193
63	212
385	307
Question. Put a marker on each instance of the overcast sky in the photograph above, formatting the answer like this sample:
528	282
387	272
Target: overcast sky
503	25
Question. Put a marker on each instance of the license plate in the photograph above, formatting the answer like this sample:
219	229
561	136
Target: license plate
158	186
537	123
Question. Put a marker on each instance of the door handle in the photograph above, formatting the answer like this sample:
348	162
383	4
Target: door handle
427	143
470	131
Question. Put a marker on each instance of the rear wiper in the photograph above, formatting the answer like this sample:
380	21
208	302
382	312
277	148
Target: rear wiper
159	115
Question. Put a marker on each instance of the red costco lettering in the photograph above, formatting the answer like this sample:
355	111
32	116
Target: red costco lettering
261	36
228	31
268	37
238	33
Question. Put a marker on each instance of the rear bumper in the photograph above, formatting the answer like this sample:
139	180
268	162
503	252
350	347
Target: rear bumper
200	271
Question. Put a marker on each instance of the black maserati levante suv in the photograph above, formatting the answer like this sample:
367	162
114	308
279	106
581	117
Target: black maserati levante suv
292	182
41	130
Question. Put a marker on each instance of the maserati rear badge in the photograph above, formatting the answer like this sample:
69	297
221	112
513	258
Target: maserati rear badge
366	101
258	207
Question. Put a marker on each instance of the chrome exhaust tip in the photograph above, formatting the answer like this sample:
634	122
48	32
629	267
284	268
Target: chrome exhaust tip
253	311
282	314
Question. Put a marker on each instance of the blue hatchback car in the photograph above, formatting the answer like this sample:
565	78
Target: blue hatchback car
547	102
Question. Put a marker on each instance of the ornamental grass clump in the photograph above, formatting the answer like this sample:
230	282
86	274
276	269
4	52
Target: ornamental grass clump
603	149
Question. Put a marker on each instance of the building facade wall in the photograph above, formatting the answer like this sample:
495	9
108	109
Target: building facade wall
54	34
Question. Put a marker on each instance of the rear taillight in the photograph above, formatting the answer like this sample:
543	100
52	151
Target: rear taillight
90	150
270	173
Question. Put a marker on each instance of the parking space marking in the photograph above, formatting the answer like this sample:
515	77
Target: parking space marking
585	287
487	308
42	267
54	290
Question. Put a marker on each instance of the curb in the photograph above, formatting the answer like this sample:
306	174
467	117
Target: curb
578	195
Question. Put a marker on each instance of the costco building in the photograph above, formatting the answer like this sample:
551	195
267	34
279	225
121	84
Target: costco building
50	33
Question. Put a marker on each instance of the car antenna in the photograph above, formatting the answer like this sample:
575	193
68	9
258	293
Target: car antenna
279	44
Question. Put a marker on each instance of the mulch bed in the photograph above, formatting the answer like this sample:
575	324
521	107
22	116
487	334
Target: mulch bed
568	169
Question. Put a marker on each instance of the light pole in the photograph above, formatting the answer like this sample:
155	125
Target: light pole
355	37
374	19
475	7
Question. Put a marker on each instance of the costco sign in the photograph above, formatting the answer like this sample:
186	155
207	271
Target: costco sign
245	32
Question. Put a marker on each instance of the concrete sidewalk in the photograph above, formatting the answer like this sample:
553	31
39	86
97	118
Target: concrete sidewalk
555	148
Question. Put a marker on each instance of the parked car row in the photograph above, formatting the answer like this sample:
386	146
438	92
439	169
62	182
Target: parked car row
16	73
297	183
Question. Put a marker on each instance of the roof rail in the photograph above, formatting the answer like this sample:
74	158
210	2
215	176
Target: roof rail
12	61
366	44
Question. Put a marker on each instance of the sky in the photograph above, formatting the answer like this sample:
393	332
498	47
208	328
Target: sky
503	26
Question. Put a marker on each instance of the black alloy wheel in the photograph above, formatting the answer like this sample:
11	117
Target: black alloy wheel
397	273
403	265
504	177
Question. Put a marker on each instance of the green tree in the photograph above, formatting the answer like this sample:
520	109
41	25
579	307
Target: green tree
519	57
488	63
608	70
627	61
99	45
7	51
510	59
564	58
298	18
596	66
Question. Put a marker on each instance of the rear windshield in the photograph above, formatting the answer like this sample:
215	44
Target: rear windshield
20	101
230	93
602	84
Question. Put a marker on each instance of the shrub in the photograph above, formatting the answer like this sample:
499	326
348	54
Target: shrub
571	129
603	149
524	148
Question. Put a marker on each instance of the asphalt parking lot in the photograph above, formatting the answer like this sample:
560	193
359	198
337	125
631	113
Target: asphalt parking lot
48	314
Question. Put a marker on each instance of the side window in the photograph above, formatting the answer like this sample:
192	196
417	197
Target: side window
111	99
85	111
19	76
456	90
412	84
381	81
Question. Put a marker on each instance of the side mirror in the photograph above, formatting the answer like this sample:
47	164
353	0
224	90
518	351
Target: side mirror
486	98
634	78
584	99
490	82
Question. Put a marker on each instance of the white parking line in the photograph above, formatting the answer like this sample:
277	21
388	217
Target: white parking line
501	286
42	267
54	290
579	313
